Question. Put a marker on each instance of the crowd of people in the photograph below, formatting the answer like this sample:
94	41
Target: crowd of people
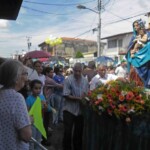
61	90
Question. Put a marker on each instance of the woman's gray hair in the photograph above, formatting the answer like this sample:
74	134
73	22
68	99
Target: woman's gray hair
9	71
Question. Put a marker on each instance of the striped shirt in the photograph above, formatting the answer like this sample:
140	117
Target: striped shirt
71	87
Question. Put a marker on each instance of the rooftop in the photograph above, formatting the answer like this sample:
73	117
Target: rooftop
71	39
120	34
76	39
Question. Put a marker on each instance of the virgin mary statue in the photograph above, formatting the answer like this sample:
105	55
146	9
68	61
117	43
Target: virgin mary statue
141	59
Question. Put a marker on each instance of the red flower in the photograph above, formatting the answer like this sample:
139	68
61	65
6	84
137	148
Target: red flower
98	101
109	96
129	96
122	108
112	106
117	93
138	97
121	98
142	102
125	109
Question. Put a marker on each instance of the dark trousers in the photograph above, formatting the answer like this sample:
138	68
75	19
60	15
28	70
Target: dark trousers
46	120
73	130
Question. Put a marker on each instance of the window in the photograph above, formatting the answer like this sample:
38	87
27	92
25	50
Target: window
120	43
112	43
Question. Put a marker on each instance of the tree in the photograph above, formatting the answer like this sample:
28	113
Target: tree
79	55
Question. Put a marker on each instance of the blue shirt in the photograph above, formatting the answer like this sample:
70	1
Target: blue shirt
60	80
31	99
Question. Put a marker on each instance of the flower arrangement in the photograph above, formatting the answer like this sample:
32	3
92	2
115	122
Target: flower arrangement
118	98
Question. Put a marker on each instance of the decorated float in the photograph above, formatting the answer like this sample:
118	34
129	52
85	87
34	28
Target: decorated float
117	117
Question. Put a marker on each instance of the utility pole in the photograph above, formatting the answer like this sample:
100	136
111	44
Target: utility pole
99	7
28	43
99	52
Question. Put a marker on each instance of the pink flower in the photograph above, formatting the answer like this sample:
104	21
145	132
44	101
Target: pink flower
112	106
129	96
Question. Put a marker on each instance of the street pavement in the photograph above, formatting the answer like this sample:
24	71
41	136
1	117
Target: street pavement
56	137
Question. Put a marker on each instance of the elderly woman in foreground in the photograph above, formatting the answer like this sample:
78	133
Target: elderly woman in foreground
15	130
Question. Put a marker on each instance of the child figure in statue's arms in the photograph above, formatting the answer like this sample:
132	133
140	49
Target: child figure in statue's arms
140	41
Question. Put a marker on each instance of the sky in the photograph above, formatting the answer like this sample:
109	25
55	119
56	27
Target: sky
40	19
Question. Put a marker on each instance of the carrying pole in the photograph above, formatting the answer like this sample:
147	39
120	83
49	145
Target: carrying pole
37	143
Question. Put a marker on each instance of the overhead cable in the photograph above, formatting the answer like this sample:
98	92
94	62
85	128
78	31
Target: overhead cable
67	4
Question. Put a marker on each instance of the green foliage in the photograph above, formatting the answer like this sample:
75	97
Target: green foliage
79	55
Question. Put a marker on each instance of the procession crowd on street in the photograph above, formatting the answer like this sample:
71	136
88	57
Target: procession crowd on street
54	86
36	98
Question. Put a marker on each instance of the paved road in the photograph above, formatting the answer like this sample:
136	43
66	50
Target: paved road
56	137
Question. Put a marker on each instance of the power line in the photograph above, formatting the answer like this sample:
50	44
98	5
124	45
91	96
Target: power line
126	18
83	27
80	28
111	23
114	14
67	4
43	11
82	33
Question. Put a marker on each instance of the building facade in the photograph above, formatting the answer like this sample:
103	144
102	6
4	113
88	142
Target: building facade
70	46
117	45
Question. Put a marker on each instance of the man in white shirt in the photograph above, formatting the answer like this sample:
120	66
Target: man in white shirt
121	71
101	77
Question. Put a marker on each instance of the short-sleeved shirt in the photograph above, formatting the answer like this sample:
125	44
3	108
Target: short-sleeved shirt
98	79
72	88
60	80
121	72
31	99
32	74
13	117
